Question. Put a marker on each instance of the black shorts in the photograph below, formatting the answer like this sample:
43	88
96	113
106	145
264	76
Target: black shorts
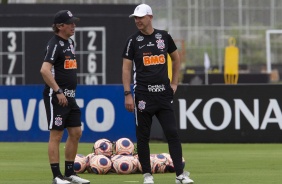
60	117
161	106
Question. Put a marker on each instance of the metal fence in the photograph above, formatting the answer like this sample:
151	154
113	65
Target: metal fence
200	26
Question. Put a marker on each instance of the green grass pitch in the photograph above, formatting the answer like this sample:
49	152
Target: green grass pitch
27	163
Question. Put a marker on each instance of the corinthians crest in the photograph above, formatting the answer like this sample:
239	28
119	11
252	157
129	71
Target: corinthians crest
141	105
160	44
58	121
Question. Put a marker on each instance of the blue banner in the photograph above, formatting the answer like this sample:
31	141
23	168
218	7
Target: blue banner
226	114
23	116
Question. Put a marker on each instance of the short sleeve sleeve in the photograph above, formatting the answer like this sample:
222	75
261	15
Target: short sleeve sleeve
171	44
128	51
51	53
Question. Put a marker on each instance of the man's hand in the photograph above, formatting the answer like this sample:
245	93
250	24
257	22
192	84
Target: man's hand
174	87
62	99
128	102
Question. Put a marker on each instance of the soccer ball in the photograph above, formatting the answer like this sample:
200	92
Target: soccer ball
139	164
124	164
124	146
114	157
159	163
89	156
103	147
100	164
170	166
80	163
139	167
135	162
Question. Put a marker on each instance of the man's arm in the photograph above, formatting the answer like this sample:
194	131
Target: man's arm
48	77
175	69
126	74
126	80
50	81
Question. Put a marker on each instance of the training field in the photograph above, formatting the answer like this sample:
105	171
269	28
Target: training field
27	163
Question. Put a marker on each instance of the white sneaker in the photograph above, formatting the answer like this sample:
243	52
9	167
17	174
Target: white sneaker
148	178
60	180
183	178
74	179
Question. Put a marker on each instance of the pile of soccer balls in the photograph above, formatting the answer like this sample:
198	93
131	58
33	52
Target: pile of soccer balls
119	157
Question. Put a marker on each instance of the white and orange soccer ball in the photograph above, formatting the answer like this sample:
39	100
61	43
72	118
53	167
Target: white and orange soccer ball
88	168
103	147
159	163
114	157
170	166
139	167
139	164
124	164
100	164
124	146
80	163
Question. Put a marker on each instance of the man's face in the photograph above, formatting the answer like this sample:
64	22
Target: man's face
68	29
143	22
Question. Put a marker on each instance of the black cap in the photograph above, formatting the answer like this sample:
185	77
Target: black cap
64	16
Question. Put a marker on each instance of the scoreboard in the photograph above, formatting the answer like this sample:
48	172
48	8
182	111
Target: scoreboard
22	52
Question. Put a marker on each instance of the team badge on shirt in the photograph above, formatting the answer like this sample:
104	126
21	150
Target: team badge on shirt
160	44
139	38
61	43
141	105
158	36
58	121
